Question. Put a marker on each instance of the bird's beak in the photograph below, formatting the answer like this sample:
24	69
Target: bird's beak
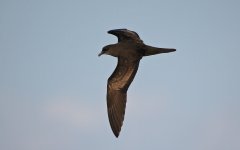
100	53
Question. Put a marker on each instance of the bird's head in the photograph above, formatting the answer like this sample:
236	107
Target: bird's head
108	50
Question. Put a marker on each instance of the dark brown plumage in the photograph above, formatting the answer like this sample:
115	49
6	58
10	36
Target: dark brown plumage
129	50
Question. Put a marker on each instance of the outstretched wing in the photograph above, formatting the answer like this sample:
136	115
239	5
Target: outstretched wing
117	87
126	35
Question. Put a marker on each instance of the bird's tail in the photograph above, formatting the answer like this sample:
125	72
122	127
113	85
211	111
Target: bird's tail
149	50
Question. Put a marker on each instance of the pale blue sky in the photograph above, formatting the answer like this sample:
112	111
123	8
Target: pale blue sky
53	85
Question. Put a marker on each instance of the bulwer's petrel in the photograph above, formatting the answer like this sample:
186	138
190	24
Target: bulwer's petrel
129	50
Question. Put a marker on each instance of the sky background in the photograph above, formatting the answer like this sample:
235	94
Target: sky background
53	84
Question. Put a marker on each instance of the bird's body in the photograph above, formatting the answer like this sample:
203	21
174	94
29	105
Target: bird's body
129	50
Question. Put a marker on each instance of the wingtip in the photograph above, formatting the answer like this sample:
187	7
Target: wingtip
115	31
116	135
116	130
120	29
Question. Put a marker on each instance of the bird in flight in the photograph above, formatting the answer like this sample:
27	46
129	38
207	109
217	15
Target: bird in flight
129	51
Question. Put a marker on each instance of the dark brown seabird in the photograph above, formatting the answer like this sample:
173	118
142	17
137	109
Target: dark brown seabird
129	50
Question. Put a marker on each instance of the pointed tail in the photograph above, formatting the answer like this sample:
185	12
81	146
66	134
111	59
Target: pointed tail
149	50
